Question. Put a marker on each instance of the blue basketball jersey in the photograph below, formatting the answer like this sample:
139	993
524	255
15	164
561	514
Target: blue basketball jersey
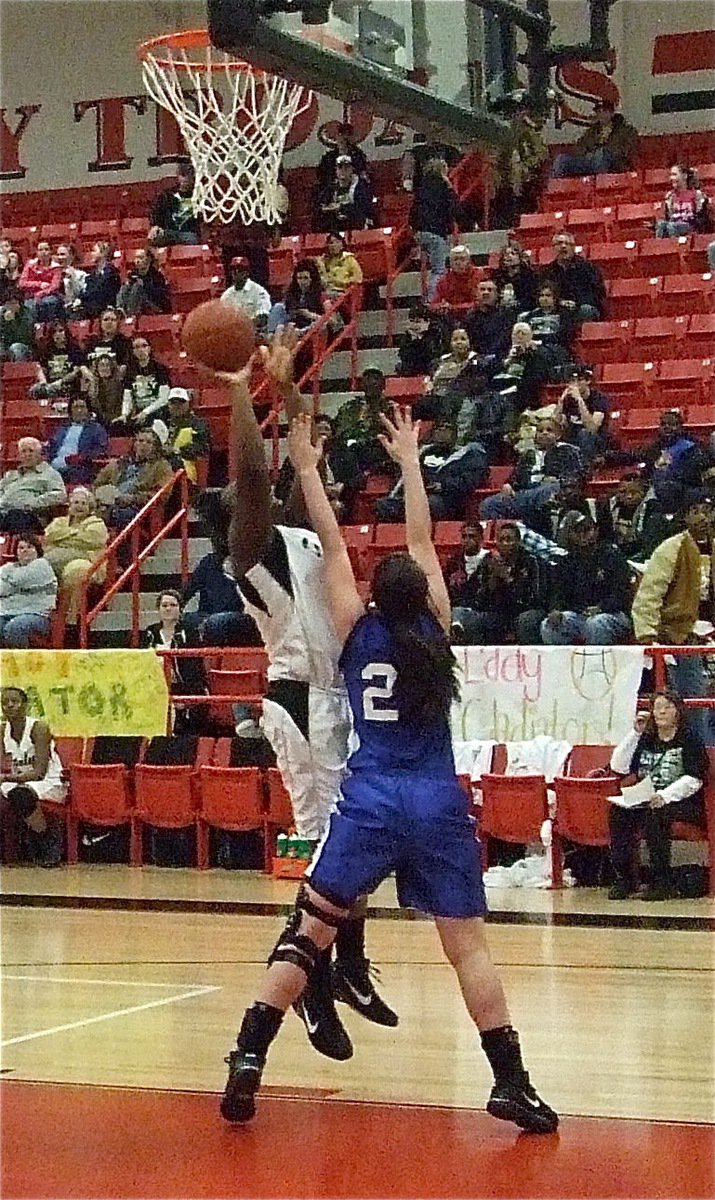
386	740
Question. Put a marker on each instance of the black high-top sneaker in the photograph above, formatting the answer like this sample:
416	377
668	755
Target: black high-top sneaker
352	985
245	1064
316	1009
517	1101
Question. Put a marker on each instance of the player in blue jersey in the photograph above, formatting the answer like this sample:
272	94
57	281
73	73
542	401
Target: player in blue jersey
401	807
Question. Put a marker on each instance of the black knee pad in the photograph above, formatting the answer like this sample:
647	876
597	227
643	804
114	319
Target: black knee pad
295	947
23	800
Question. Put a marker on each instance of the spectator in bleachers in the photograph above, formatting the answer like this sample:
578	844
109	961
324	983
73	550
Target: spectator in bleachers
449	367
711	256
524	369
433	216
101	382
74	279
489	325
674	457
500	600
348	201
658	519
421	343
357	424
534	482
609	144
450	473
589	593
303	303
189	437
568	502
28	493
686	208
339	269
41	284
10	275
111	339
172	217
586	414
59	361
457	288
247	295
146	387
520	169
517	281
187	676
28	595
5	250
461	566
461	391
146	289
618	515
552	325
101	285
220	619
17	330
72	543
664	747
580	283
125	485
344	147
75	446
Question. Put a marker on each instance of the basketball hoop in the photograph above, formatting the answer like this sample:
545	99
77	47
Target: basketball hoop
234	121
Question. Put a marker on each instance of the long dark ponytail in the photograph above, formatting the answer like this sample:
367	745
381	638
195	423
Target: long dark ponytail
426	669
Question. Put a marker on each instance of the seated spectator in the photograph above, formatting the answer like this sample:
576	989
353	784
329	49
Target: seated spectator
75	447
619	514
303	303
460	390
567	503
31	772
10	275
59	361
499	602
357	424
420	344
450	473
74	279
517	281
17	330
520	169
41	284
220	619
686	208
488	325
658	518
340	467
187	674
586	414
125	485
339	269
457	288
347	202
462	565
146	289
146	387
578	281
664	748
590	592
173	219
101	382
344	147
247	295
29	493
188	434
674	457
101	285
28	594
534	482
553	327
524	370
448	368
610	144
72	543
110	339
433	217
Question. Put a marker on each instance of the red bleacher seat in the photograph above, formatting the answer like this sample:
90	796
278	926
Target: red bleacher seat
700	417
627	381
700	335
604	341
280	809
637	297
635	220
537	229
447	539
590	224
165	798
695	257
191	290
513	807
23	238
655	338
162	330
230	798
661	256
405	389
637	422
282	260
585	759
616	259
91	232
562	194
582	809
100	795
60	231
357	539
373	250
691	293
388	539
616	187
655	183
685	380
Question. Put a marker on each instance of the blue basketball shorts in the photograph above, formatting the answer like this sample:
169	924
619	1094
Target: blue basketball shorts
418	827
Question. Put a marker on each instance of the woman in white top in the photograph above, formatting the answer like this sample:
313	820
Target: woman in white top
31	772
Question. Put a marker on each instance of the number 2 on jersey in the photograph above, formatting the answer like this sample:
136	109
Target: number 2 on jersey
372	695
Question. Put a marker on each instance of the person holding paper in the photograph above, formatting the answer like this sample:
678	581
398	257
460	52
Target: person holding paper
670	764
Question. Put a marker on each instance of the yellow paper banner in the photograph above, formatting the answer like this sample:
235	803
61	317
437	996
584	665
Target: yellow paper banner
91	693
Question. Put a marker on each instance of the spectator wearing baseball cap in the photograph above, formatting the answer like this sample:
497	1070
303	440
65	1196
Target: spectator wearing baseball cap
344	147
586	414
246	294
188	438
348	201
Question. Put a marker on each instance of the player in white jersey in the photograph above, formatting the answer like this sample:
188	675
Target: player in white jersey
279	572
31	772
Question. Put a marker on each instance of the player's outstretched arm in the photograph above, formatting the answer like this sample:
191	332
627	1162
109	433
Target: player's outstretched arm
400	439
345	604
251	499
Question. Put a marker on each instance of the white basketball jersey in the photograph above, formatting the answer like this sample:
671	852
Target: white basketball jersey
22	753
285	594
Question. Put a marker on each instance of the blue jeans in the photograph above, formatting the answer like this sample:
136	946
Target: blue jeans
16	632
568	166
522	506
686	675
671	229
489	629
605	629
223	628
47	308
436	250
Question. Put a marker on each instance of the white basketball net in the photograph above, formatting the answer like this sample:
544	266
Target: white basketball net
234	127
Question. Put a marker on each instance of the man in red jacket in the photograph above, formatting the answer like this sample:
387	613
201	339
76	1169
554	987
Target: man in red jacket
41	284
458	286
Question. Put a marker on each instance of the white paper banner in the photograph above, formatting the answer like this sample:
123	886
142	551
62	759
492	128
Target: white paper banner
583	694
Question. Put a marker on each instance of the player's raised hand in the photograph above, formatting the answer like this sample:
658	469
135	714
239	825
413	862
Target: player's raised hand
279	355
301	451
401	436
240	378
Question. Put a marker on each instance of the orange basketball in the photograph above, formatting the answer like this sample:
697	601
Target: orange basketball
219	336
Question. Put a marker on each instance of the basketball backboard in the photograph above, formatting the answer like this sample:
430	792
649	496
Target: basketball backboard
418	62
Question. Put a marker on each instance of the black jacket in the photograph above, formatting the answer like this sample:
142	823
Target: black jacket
100	290
435	206
601	579
416	355
561	459
187	674
356	207
485	592
166	213
490	330
578	280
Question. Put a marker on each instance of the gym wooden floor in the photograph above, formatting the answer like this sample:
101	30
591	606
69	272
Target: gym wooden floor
122	991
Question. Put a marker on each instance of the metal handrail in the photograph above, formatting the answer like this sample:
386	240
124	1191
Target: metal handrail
131	533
